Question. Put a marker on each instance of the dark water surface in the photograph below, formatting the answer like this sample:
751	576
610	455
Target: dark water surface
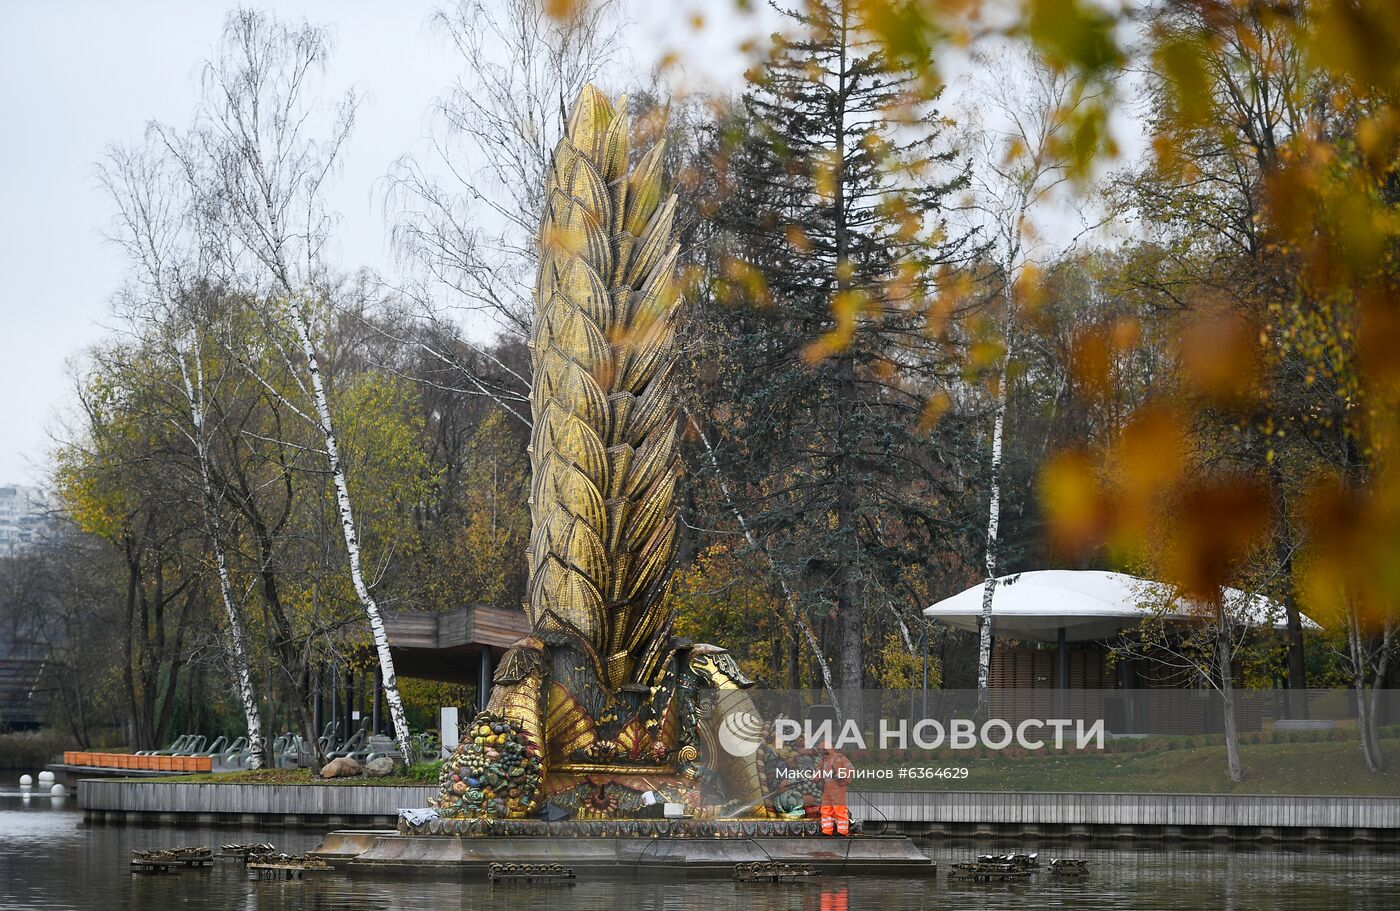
48	859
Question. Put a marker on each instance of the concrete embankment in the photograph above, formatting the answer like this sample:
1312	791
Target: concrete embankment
293	806
928	813
1226	817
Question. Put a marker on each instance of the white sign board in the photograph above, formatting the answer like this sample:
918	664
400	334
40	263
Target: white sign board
447	725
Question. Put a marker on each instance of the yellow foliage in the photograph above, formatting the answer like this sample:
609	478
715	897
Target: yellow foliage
724	598
896	669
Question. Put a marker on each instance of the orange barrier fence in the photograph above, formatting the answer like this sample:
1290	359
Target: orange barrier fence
141	763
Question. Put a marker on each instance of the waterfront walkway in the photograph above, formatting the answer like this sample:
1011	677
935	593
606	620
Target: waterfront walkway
933	813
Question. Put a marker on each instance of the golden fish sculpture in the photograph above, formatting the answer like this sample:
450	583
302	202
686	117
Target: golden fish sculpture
600	704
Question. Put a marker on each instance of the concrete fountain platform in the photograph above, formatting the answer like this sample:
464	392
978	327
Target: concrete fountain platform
618	848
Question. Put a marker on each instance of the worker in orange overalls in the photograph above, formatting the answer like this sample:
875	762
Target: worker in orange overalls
836	772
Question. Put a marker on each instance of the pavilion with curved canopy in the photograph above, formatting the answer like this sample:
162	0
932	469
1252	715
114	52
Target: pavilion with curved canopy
1081	613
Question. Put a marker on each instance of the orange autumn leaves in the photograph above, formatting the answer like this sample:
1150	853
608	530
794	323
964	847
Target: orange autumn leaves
1154	494
1350	565
1329	210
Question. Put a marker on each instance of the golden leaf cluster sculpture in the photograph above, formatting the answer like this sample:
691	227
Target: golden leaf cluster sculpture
603	450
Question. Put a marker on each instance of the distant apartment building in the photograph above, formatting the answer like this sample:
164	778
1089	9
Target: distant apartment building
24	519
24	516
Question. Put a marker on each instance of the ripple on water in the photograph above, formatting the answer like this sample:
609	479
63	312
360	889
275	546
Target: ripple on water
48	860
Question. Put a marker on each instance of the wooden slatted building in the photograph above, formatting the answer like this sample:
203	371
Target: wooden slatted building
1052	634
460	646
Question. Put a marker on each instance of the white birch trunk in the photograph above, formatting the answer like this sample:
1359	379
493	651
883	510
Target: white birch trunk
1234	764
233	610
352	542
1372	723
984	644
1015	169
1366	707
828	682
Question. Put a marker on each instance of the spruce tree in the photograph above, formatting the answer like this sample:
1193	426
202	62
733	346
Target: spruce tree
817	352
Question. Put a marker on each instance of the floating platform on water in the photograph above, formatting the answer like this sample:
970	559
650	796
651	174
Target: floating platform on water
153	867
621	828
246	853
996	867
286	866
167	860
1068	866
999	867
977	871
773	872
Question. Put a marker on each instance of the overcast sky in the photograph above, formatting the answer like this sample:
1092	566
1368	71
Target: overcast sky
76	75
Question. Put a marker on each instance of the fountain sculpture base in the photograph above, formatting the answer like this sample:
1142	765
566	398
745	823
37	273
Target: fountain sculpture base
621	848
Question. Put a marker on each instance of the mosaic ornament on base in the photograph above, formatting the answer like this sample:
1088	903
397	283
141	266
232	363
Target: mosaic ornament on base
601	703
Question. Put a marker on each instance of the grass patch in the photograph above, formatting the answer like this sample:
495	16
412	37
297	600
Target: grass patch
1323	768
1307	763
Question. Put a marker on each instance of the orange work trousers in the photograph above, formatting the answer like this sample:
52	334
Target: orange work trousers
836	819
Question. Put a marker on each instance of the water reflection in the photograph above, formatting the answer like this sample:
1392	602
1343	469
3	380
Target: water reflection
49	860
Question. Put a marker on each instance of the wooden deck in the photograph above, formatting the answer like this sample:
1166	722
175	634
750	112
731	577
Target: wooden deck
306	806
73	759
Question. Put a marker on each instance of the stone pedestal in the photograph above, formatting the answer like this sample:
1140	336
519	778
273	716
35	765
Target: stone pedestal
621	848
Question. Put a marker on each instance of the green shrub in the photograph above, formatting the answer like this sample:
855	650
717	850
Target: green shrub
32	750
426	772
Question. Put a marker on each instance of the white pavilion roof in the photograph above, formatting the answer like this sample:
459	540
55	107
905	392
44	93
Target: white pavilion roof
1088	604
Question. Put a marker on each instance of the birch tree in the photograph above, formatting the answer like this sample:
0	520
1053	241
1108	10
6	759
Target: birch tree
467	208
1203	639
1350	547
1367	658
153	228
1020	156
257	129
795	615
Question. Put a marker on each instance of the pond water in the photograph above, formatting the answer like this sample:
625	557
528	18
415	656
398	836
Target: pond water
49	859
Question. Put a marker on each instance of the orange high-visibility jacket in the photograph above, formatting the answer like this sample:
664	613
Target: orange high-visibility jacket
836	770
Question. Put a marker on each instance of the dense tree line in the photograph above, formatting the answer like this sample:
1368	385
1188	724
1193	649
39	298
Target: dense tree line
270	452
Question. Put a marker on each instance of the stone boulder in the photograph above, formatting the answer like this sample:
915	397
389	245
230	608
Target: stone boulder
379	768
344	767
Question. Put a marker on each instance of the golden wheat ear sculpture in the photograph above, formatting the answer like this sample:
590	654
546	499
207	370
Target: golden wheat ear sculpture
603	449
